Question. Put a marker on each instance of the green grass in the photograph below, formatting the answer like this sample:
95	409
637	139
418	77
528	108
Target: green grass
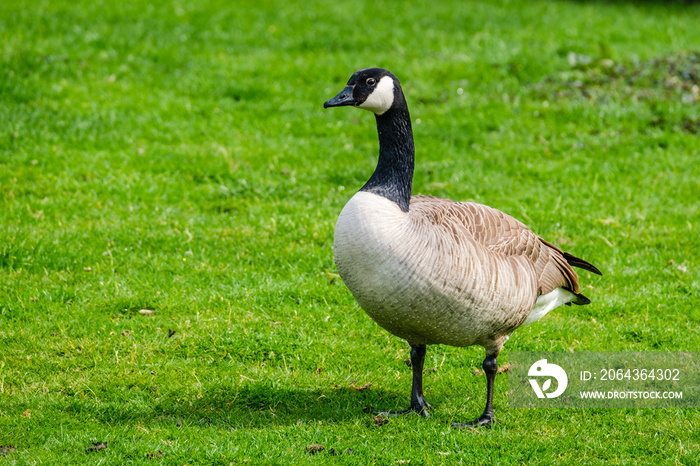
175	156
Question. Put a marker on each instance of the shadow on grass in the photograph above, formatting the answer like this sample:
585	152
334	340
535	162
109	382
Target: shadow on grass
260	404
254	405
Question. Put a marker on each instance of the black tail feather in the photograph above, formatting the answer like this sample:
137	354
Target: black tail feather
581	264
581	300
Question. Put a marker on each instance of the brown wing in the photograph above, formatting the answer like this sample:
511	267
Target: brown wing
502	234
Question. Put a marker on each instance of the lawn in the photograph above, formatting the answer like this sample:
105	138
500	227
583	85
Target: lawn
170	183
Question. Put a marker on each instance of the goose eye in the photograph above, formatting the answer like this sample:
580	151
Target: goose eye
371	81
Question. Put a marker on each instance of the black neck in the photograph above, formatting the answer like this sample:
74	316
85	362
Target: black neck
393	177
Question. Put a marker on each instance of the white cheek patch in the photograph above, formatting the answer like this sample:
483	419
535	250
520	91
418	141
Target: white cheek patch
382	98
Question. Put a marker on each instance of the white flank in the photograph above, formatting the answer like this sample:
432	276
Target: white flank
420	283
382	98
548	302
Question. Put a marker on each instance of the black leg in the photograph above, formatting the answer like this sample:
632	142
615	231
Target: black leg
490	369
418	403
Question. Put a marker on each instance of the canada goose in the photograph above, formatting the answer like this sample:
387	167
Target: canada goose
436	271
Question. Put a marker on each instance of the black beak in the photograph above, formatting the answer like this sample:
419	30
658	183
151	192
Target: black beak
341	100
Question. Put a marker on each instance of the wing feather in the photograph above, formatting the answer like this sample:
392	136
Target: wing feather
503	235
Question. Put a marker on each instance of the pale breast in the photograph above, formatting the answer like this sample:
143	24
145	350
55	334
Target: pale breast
425	282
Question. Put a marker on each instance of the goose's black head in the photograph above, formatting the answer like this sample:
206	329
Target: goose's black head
374	89
379	91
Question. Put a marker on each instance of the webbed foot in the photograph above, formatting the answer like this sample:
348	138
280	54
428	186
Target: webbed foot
420	409
485	420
